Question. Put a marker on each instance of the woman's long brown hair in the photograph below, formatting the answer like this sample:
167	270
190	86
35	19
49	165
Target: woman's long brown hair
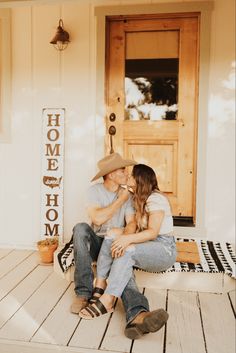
146	183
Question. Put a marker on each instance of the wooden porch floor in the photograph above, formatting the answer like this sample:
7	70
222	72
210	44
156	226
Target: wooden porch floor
35	316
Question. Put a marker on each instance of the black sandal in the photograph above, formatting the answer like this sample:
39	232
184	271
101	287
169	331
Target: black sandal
94	298
94	310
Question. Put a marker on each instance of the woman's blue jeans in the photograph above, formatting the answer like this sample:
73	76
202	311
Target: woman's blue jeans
153	256
86	249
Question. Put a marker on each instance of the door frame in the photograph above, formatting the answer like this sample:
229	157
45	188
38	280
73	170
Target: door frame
204	8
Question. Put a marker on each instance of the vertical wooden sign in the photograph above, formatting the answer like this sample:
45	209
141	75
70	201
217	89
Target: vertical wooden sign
52	173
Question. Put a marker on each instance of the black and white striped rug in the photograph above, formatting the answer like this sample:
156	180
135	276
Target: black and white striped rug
215	258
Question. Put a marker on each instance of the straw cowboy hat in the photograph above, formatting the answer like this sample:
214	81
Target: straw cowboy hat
110	163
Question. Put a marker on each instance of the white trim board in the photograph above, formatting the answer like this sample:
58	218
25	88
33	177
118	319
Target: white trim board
29	347
5	74
184	281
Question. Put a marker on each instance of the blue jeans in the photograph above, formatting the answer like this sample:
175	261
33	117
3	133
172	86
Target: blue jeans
153	256
86	249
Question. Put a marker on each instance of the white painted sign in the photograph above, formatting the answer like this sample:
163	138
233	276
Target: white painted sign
52	173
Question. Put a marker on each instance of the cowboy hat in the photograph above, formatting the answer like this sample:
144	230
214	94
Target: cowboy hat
110	163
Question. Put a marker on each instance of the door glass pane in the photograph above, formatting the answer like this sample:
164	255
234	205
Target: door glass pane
151	75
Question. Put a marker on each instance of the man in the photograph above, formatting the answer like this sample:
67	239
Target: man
110	206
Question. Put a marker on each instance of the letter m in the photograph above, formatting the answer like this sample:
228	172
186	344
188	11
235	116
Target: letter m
52	231
52	151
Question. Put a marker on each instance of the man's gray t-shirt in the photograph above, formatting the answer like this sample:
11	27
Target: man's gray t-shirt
99	196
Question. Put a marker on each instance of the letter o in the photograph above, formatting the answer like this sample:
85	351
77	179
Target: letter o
49	134
53	217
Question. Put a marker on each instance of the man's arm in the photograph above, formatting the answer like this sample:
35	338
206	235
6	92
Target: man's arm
101	215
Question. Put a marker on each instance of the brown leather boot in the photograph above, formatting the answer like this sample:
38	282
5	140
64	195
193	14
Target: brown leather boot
146	322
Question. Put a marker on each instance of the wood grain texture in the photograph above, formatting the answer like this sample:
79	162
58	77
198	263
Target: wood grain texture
35	316
146	140
184	331
218	322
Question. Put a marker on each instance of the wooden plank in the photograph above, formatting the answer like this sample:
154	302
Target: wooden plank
233	299
20	294
30	316
52	330
4	252
152	342
152	130
89	333
115	58
10	280
218	322
152	45
13	259
184	330
115	339
166	150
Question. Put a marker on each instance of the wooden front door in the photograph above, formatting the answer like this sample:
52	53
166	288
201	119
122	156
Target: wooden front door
151	98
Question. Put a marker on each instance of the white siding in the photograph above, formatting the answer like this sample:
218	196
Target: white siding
220	174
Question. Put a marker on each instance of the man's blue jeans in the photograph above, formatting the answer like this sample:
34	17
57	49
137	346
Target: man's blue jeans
86	249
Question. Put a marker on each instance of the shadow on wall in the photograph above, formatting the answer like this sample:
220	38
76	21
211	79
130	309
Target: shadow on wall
222	106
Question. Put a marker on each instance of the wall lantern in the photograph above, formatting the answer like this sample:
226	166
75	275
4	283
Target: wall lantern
61	38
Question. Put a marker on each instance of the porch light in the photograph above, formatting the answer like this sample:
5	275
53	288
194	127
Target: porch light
61	38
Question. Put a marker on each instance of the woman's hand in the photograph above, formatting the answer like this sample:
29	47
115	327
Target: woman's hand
119	245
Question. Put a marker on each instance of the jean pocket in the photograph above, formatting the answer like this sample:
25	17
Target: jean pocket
168	243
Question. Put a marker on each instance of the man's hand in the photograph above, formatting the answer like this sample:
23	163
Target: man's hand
119	245
123	194
100	215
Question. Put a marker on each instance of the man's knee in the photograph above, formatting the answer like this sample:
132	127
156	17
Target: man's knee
80	231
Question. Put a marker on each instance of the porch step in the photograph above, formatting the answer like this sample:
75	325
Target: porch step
184	281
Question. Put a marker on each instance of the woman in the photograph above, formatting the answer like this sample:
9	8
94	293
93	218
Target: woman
151	248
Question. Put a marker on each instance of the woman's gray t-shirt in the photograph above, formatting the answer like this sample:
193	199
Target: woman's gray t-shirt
99	196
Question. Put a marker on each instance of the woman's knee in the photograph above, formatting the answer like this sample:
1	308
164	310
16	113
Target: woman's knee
130	249
128	254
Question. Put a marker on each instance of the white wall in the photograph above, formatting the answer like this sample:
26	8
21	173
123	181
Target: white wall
220	148
43	77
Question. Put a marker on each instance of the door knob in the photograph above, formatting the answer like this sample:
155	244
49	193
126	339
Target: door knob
112	130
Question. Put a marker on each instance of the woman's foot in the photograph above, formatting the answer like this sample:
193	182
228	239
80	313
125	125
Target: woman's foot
99	287
102	306
97	293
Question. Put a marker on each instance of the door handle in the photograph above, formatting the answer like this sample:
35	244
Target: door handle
112	132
